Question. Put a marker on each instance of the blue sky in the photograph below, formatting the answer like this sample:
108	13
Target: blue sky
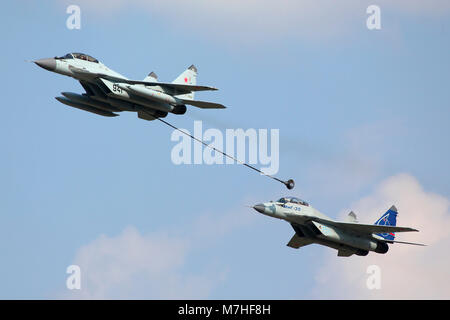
354	107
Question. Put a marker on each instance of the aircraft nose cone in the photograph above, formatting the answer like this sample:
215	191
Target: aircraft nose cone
48	63
259	207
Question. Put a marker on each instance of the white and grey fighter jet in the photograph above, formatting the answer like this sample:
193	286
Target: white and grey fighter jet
348	238
108	92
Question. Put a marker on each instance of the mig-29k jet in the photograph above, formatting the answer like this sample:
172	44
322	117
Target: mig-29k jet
108	92
348	238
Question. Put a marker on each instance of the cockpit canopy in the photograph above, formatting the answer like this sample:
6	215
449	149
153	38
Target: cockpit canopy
81	56
293	200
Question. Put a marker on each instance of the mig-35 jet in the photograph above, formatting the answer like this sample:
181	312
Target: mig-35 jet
108	92
348	238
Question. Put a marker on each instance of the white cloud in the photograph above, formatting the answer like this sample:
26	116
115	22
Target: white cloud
408	272
132	265
155	265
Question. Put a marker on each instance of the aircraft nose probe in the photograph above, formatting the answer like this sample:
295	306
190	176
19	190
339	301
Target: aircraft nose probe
290	184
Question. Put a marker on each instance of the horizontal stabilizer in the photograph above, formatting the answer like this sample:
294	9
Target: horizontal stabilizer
403	242
204	104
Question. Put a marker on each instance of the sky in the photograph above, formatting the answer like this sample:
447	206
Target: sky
363	118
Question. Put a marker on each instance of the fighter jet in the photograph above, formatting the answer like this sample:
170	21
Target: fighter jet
108	92
348	238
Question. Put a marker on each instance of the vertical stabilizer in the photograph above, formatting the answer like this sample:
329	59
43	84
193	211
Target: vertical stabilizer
189	77
388	219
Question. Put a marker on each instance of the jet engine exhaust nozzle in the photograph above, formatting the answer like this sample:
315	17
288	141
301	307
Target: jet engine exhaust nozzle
179	109
381	247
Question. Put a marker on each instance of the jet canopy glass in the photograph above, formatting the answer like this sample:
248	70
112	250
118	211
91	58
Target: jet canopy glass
293	200
81	56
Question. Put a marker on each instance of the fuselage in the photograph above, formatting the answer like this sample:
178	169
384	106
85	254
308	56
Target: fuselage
108	93
311	224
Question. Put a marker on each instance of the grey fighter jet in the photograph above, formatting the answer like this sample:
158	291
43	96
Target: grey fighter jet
348	238
108	92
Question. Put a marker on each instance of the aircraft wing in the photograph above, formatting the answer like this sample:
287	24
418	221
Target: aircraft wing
297	242
173	86
366	228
